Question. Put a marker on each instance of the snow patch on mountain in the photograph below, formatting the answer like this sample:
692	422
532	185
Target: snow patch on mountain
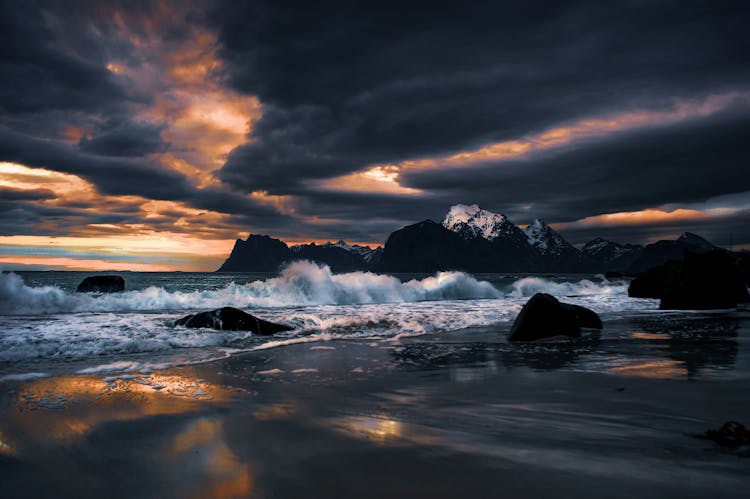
606	251
545	240
364	252
470	221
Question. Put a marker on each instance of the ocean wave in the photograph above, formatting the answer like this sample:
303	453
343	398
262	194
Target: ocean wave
301	283
528	286
49	323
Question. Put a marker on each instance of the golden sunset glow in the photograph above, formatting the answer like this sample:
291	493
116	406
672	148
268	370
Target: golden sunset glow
283	204
381	179
203	119
166	229
650	216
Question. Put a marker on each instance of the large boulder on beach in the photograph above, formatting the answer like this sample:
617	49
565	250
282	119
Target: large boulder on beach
231	319
653	283
101	284
743	263
705	281
544	316
700	281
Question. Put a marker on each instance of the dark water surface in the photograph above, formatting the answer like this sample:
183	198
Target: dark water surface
386	387
459	414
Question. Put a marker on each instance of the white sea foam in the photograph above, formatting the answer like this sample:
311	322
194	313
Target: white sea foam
528	286
300	283
48	323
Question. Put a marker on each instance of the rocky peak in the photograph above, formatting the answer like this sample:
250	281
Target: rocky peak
470	221
546	240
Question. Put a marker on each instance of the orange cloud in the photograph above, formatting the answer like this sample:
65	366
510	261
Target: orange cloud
66	263
195	239
203	120
642	217
382	178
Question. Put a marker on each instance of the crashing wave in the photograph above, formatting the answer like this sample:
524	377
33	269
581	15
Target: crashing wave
300	283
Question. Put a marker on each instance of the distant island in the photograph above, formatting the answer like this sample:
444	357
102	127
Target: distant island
469	239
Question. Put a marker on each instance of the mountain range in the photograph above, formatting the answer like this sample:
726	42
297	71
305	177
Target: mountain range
266	254
470	239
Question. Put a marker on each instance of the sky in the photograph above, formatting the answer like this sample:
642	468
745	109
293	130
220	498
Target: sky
149	135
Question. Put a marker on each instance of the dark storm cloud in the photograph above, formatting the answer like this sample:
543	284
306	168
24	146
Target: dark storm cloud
344	85
110	175
128	139
10	194
720	230
51	60
126	176
653	167
347	84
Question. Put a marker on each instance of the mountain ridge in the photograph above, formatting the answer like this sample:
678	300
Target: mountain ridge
469	238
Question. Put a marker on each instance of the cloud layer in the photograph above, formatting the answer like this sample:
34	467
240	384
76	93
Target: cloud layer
322	120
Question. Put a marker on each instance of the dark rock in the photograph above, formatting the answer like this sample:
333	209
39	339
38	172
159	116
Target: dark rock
701	281
587	318
102	284
705	281
545	316
731	434
428	247
653	283
743	262
257	254
231	319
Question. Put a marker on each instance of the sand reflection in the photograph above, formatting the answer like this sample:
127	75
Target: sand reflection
281	410
652	368
384	431
5	449
642	335
219	469
65	408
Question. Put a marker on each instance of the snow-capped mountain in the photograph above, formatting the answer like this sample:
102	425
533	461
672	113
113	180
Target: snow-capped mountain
547	241
606	251
470	221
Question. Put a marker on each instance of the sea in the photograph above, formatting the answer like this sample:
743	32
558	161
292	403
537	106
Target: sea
48	329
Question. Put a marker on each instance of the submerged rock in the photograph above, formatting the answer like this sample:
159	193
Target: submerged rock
545	316
231	319
731	434
101	284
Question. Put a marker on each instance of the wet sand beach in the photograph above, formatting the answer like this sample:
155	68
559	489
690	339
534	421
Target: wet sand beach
457	414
